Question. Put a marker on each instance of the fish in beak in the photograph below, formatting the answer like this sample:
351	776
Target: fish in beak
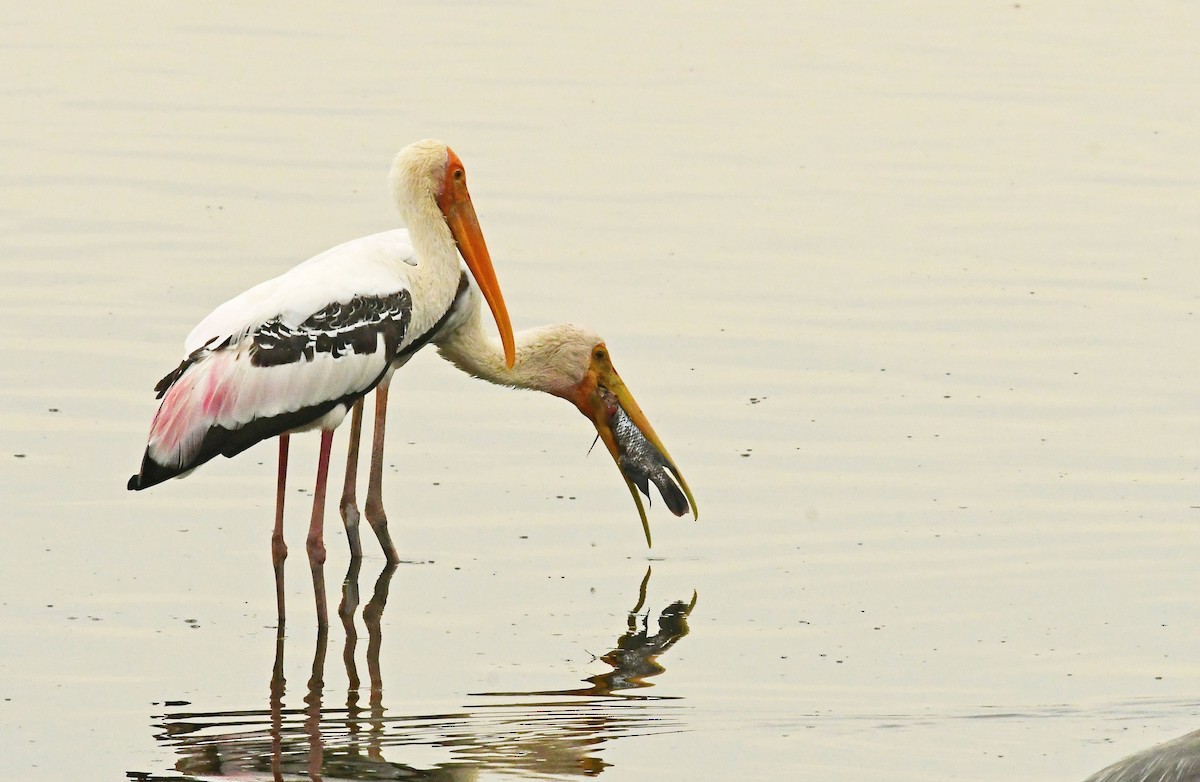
620	423
456	206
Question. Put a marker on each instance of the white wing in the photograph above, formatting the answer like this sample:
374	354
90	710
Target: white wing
372	265
293	351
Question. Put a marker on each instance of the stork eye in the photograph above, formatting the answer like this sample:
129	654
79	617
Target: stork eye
458	174
598	354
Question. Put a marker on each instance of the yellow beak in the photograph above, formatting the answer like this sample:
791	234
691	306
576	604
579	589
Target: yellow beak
456	206
598	397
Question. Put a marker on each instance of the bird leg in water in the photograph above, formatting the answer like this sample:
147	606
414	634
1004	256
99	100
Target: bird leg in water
374	505
316	529
278	547
349	504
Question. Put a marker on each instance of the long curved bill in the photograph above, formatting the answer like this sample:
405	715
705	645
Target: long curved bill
632	442
455	203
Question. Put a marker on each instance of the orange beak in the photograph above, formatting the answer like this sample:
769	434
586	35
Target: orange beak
640	455
456	206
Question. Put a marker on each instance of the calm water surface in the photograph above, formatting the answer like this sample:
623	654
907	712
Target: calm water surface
910	292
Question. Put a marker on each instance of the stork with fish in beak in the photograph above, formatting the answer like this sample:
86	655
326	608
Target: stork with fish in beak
573	363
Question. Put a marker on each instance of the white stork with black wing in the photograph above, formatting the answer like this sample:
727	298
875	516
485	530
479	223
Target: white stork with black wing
298	351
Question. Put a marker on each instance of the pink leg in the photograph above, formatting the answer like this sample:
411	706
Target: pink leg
316	529
374	505
349	504
278	547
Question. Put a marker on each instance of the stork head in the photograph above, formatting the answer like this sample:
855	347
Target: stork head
430	185
577	366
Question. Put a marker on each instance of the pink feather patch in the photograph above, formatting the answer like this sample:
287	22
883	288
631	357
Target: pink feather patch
194	403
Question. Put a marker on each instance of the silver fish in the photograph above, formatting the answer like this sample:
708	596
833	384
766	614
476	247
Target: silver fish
642	463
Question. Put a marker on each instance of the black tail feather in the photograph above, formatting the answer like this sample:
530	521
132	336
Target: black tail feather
151	474
219	441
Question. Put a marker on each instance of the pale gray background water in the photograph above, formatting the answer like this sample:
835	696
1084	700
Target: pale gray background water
909	290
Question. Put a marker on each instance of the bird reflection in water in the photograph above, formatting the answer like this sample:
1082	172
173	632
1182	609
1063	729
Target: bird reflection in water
636	657
540	737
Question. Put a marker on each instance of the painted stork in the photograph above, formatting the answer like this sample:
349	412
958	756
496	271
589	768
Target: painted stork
563	360
298	351
573	363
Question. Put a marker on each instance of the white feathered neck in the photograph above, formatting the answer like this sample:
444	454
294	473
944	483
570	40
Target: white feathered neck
552	358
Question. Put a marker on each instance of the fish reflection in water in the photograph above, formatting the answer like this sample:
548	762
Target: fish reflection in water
530	737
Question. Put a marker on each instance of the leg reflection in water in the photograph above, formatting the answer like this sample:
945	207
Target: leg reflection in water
372	615
542	733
